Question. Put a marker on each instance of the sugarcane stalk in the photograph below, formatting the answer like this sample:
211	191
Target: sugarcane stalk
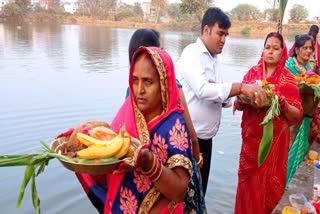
282	8
35	164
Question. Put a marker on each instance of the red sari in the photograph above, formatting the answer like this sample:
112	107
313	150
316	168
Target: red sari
260	188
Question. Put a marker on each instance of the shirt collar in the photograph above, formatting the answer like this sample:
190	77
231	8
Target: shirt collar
205	50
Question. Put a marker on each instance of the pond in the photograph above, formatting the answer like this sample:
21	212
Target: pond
53	77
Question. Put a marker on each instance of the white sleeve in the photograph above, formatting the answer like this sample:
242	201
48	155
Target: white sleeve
193	73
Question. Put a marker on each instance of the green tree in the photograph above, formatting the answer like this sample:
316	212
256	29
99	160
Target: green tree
271	14
138	9
245	12
129	12
160	5
23	3
98	8
11	9
173	10
196	7
298	13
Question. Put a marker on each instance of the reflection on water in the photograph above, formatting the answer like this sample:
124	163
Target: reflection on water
53	77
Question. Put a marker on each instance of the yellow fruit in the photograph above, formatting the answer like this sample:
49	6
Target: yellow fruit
125	147
290	210
87	140
108	150
125	136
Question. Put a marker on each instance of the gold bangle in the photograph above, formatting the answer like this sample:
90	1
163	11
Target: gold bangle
200	159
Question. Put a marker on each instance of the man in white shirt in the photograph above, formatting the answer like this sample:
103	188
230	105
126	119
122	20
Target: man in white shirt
206	94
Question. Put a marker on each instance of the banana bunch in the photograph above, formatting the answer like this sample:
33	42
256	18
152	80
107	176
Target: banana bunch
117	147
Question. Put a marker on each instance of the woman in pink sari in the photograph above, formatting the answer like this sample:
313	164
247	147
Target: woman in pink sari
261	187
156	178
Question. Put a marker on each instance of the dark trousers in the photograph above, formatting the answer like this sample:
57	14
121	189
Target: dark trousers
206	150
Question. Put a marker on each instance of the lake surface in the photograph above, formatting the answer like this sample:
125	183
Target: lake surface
53	77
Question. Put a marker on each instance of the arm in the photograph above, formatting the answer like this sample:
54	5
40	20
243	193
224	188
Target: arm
192	71
193	135
289	111
293	114
176	179
252	91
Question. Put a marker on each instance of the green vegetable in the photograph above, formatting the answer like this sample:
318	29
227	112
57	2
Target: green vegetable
35	165
266	140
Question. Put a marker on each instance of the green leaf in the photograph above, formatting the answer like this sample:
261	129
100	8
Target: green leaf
28	173
34	193
265	143
266	140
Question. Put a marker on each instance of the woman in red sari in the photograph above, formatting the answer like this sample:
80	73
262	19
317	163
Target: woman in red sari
261	187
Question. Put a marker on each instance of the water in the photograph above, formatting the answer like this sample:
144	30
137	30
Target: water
53	77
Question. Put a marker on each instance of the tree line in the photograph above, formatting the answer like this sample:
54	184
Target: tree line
160	10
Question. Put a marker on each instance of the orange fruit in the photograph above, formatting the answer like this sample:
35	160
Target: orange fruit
313	155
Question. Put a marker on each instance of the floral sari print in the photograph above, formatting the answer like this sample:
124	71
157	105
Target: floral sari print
166	136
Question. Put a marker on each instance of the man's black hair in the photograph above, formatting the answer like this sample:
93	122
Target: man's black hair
215	15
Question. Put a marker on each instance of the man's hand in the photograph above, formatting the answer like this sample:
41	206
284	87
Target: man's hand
256	94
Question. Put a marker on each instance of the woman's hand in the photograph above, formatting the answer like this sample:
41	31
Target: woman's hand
238	105
145	159
284	105
135	151
123	168
200	160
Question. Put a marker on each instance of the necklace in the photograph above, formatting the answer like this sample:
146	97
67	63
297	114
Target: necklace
301	68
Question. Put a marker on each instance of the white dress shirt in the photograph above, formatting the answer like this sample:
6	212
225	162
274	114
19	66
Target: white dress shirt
199	73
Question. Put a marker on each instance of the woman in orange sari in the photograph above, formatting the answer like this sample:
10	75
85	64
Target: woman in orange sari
261	187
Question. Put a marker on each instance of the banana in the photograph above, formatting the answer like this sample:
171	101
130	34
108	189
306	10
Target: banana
124	149
108	150
125	136
88	141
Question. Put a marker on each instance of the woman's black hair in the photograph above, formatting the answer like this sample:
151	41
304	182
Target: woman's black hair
314	30
300	40
143	37
274	34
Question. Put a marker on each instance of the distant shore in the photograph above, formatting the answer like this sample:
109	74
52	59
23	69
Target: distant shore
250	29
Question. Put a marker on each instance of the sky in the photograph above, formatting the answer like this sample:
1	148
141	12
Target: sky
313	6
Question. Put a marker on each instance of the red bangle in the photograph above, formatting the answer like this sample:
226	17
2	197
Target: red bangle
156	169
155	177
153	166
